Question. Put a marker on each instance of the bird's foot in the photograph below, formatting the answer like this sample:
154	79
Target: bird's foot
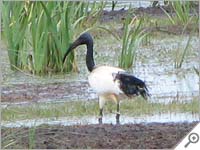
100	120
117	118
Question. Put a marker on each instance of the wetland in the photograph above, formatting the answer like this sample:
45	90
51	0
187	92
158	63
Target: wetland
59	111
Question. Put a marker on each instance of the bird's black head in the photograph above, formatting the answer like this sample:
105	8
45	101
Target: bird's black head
84	38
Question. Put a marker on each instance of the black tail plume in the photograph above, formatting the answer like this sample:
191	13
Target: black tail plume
131	85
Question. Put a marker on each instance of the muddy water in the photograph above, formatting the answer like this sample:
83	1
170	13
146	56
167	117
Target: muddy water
166	83
165	87
110	119
155	65
125	4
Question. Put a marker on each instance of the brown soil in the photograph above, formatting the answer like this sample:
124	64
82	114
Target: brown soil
117	15
153	12
134	136
143	136
43	92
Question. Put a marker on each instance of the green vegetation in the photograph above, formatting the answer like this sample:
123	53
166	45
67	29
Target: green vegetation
31	137
9	140
131	39
181	53
182	10
12	24
197	71
114	3
90	108
48	28
38	33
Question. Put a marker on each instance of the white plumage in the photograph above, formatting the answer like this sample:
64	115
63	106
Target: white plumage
101	80
108	82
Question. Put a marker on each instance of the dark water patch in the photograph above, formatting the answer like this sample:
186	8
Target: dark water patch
107	119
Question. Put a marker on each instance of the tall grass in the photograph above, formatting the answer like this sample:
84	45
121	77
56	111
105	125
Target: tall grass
72	109
182	10
182	17
182	13
32	137
114	3
197	71
181	54
15	22
39	33
52	30
131	39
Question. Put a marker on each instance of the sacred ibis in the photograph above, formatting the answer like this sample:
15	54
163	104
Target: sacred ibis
108	82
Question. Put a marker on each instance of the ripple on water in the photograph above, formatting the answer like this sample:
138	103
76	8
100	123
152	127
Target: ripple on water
110	119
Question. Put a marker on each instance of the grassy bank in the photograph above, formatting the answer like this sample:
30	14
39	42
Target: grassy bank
135	107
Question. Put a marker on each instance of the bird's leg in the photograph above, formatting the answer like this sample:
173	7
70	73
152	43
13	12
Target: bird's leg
101	105
116	99
100	115
118	113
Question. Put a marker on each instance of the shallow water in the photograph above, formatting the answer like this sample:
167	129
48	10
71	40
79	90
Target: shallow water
154	65
125	4
109	119
167	83
166	87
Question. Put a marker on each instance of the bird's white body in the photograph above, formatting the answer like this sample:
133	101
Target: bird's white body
101	80
108	82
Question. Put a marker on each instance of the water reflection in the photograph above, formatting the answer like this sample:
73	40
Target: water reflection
110	119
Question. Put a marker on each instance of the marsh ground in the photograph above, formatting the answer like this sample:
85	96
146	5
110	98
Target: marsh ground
155	64
106	136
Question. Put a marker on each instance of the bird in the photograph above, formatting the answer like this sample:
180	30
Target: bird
107	81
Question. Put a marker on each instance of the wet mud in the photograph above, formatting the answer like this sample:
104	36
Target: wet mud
134	136
106	136
153	12
44	92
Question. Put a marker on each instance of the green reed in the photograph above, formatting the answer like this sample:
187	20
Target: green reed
15	21
181	54
133	35
39	33
182	13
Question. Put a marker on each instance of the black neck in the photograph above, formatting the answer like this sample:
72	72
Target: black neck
89	57
88	41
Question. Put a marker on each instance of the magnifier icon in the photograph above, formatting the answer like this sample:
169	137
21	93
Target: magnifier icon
192	138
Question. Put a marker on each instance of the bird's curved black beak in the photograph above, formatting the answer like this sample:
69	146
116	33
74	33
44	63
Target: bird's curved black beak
85	38
71	47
